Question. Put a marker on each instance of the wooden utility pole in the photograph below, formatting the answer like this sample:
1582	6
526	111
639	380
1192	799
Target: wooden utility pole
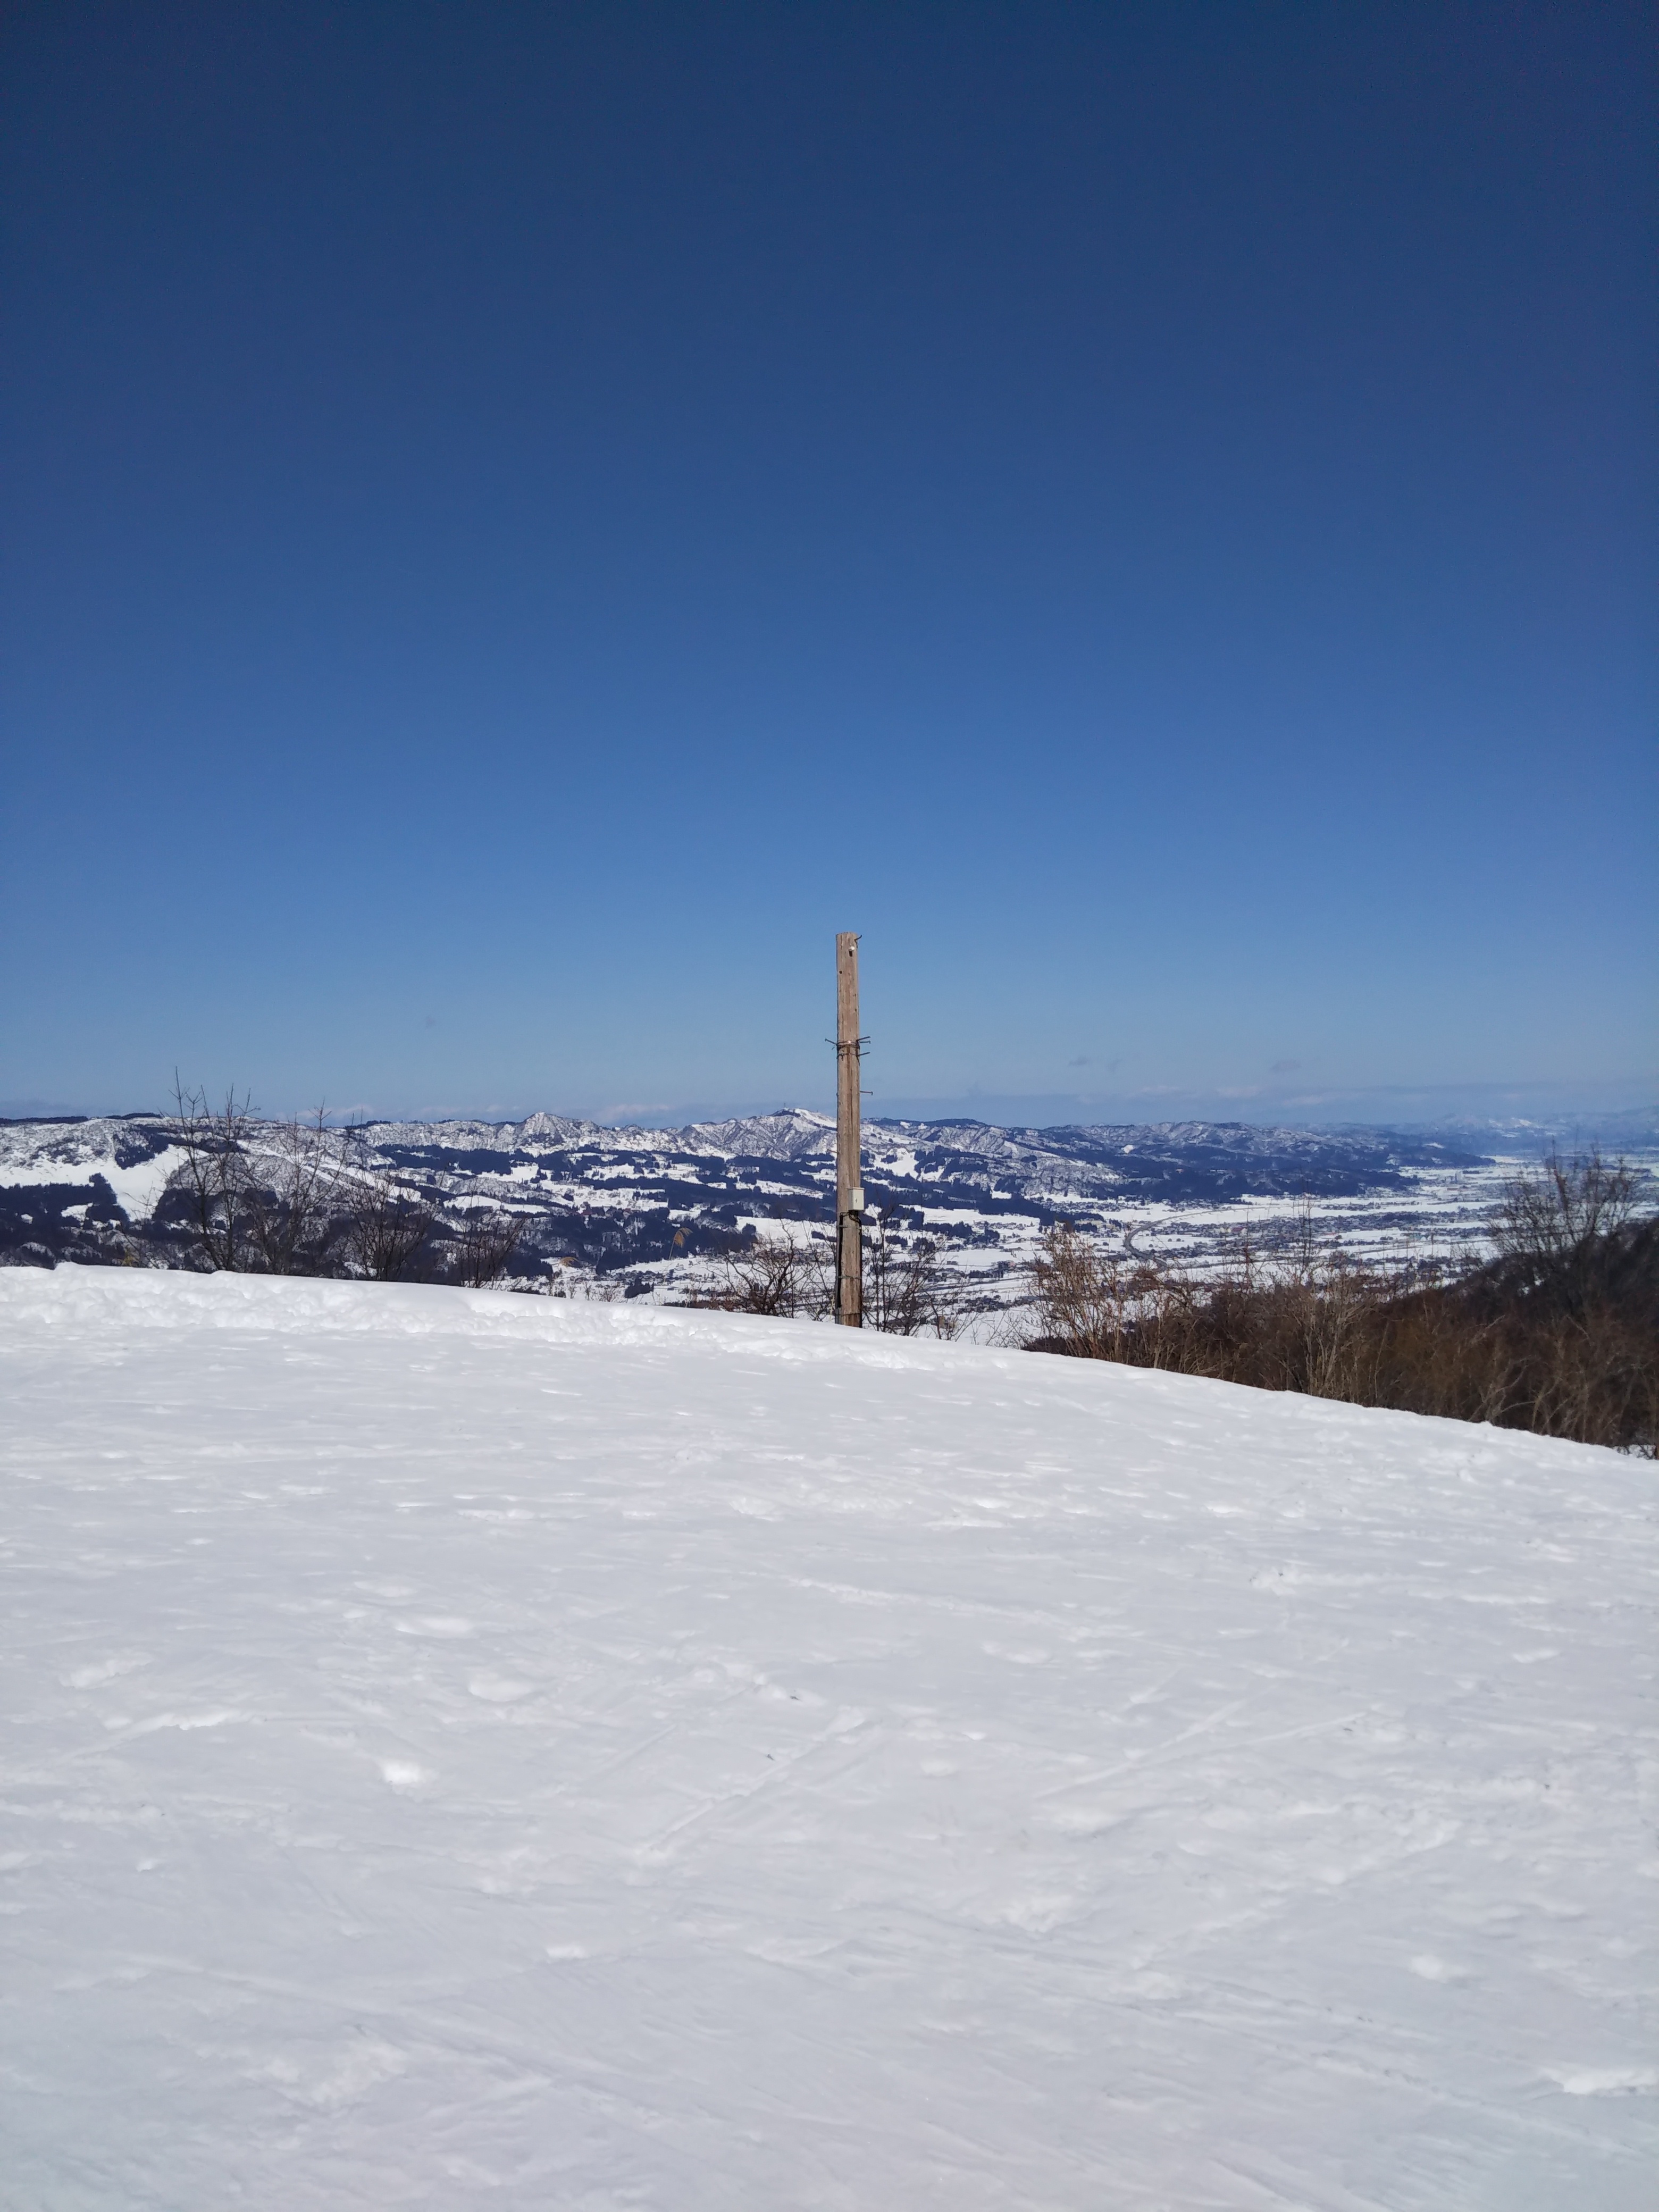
849	1171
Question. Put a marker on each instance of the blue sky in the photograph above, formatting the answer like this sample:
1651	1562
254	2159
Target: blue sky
523	520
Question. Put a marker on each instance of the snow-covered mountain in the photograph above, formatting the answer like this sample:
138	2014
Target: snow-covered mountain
611	1198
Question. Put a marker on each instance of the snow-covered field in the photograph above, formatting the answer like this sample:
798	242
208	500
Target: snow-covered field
467	1750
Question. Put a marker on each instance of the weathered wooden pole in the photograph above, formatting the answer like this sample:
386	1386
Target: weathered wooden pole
850	1171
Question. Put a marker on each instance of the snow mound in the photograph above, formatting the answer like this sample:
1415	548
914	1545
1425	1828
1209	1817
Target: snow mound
474	1750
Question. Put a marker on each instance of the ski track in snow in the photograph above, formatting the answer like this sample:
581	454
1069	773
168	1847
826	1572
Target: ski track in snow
466	1750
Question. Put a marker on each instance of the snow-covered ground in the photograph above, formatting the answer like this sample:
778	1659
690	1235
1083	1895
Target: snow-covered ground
469	1750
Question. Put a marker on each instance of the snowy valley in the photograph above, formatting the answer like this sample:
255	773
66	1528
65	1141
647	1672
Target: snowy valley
647	1212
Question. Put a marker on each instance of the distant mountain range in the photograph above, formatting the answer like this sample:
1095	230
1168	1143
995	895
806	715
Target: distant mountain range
612	1199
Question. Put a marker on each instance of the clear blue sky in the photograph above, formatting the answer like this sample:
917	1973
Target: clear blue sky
522	520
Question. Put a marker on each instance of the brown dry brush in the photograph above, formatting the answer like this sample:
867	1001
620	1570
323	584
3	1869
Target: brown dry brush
1558	1332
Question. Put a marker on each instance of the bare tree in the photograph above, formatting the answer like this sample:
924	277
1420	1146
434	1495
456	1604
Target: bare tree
215	1177
776	1275
904	1294
481	1249
388	1223
1555	1221
292	1194
261	1196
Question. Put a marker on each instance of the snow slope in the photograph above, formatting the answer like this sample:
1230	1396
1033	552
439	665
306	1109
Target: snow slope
467	1750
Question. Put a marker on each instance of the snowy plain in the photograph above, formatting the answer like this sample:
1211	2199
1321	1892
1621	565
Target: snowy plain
471	1750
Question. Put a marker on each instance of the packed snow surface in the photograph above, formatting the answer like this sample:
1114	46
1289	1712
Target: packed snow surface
473	1750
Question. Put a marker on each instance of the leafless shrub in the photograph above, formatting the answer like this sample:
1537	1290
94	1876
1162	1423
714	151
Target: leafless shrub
1573	1296
215	1177
1556	1222
292	1194
261	1196
388	1223
481	1250
905	1291
775	1275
